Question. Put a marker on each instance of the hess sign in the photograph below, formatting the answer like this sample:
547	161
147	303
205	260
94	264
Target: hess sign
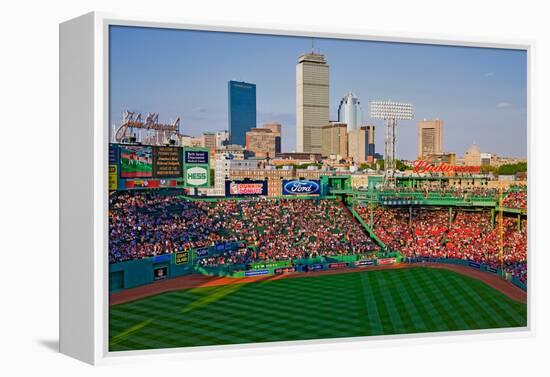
196	176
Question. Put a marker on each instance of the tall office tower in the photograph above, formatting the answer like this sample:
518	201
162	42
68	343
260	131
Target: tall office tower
358	142
312	99
242	110
370	140
276	128
430	137
350	112
334	140
261	141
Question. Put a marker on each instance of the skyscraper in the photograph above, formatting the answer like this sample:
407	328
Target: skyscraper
242	110
430	137
350	112
312	101
335	140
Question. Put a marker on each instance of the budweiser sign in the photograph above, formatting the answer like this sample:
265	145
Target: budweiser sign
425	166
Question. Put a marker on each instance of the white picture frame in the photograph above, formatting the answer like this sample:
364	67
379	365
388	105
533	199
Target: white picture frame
84	100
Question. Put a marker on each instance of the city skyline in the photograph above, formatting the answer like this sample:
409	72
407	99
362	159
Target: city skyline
479	93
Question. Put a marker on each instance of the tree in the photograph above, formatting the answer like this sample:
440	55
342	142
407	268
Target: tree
488	169
512	169
364	166
398	164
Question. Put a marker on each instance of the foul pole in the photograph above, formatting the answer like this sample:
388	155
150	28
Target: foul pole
501	231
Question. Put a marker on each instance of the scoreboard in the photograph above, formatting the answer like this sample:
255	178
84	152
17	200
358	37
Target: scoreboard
146	167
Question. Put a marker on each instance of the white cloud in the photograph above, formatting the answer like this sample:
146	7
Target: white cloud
502	105
489	74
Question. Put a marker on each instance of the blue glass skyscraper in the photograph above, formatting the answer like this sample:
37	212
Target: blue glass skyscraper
349	112
242	110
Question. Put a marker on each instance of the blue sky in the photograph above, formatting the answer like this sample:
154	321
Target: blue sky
481	94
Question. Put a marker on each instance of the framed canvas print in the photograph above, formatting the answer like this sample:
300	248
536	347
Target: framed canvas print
223	186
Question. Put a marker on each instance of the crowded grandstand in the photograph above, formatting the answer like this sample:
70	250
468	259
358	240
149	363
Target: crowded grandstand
145	224
150	223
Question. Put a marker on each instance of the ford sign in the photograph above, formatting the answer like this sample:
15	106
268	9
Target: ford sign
300	187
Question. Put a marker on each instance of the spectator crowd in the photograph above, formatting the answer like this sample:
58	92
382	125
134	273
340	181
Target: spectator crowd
149	223
423	232
515	199
144	224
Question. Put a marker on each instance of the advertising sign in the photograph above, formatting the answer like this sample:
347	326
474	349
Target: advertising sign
474	264
196	155
113	178
387	260
492	269
160	273
113	154
196	166
301	187
256	272
315	267
364	262
245	188
181	257
337	265
284	270
167	162
202	252
197	176
425	166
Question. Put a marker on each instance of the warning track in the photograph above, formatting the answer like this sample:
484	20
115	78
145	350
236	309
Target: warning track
196	281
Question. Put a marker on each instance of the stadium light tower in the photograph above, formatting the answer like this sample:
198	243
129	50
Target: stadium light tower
391	112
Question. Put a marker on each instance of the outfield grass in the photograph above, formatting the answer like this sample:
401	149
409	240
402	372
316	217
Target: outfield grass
326	306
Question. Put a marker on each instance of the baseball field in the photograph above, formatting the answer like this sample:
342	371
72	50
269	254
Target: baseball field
376	302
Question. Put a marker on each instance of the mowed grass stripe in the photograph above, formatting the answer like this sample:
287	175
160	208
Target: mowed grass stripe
374	322
434	298
484	297
388	314
475	303
499	304
326	306
436	315
459	303
412	319
427	314
165	309
447	305
416	282
405	323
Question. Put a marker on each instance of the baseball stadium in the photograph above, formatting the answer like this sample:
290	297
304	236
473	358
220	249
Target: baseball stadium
305	257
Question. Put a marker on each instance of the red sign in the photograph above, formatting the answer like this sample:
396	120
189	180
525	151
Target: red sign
337	265
425	166
387	261
246	189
